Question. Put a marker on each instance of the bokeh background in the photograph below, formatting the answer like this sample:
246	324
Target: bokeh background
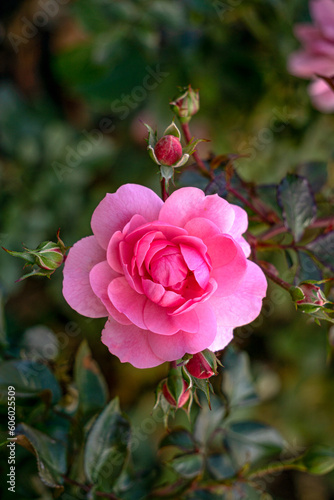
77	80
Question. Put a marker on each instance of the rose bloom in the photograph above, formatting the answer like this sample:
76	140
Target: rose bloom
317	56
173	277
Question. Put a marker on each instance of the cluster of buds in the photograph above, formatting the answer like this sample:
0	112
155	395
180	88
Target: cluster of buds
308	297
192	373
45	259
186	104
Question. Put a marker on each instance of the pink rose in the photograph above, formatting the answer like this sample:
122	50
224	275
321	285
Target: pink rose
173	277
317	56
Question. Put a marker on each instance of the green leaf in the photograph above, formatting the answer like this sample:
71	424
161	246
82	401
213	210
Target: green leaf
173	130
50	454
92	388
318	460
107	447
252	441
296	200
179	438
308	269
39	343
238	382
188	466
323	248
315	172
29	378
220	466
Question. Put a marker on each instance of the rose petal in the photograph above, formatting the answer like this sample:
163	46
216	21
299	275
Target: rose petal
240	223
245	304
175	346
228	263
307	65
127	301
223	338
202	228
82	257
130	344
117	209
100	277
188	203
322	12
322	95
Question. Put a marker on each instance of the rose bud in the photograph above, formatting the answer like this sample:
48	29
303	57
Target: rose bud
186	104
202	364
168	150
183	398
308	297
48	256
176	389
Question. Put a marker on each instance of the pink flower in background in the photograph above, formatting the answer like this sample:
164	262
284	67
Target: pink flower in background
173	277
317	55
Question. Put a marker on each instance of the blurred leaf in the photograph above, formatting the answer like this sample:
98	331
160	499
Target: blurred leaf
50	454
92	387
323	248
318	460
315	172
181	439
3	335
29	378
307	268
188	466
39	343
217	185
268	194
251	441
296	200
107	447
220	466
237	379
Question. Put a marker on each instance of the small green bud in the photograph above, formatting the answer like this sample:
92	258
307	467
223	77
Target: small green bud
185	104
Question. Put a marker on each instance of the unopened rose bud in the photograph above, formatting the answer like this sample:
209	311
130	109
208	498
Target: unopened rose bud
308	297
186	104
168	150
182	399
48	256
202	364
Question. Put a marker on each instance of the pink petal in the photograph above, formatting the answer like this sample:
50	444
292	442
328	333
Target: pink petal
240	223
322	12
100	277
117	209
307	65
188	203
113	256
175	346
322	96
228	262
82	257
130	344
244	245
223	338
127	301
245	304
157	320
202	228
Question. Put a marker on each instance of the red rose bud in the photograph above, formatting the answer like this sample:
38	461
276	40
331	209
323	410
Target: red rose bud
176	389
168	150
183	398
186	104
202	364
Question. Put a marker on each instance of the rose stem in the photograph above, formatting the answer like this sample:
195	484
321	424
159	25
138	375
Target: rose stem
164	191
187	135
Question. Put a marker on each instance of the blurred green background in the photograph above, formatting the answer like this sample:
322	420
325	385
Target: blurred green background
77	80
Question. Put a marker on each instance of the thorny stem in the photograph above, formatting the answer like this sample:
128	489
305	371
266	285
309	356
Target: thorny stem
279	229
